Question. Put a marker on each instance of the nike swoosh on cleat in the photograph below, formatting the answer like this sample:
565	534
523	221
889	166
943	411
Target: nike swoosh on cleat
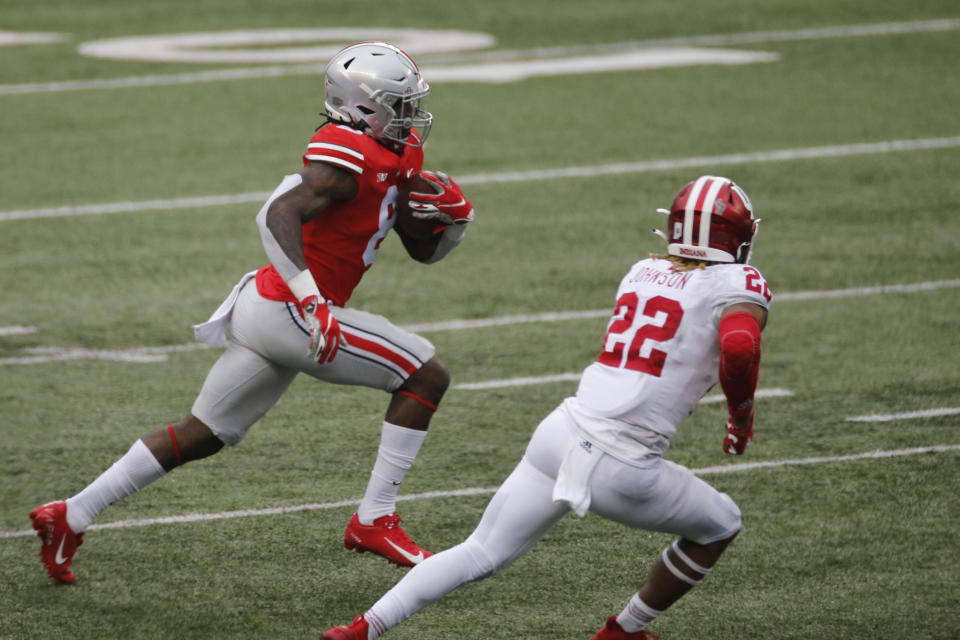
415	559
59	559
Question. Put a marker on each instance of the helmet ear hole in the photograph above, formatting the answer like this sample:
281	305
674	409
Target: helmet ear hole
367	111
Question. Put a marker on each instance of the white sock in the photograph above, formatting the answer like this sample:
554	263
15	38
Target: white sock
426	583
135	470
399	447
636	615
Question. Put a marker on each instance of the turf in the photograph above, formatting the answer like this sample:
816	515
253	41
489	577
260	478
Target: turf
853	548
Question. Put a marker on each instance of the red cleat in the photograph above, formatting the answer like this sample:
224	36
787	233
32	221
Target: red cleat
386	538
355	631
613	631
59	542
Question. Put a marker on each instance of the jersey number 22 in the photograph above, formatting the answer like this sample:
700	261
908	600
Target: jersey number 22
623	321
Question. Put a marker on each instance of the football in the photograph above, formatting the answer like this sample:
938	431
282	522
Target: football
406	222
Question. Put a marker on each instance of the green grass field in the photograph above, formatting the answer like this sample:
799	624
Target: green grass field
847	143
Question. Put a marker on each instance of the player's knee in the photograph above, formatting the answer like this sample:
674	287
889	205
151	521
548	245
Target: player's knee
439	375
721	520
194	439
481	563
732	520
729	519
432	379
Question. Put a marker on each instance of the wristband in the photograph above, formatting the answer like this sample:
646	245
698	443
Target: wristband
303	286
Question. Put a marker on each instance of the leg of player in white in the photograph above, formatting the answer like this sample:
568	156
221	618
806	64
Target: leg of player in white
380	355
519	514
661	497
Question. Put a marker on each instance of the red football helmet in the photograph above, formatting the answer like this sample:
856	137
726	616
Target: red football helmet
711	219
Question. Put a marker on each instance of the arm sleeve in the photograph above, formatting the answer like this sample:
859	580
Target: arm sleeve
739	361
278	258
451	237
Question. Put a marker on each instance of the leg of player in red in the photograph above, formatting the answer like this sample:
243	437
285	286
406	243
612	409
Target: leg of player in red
376	526
61	524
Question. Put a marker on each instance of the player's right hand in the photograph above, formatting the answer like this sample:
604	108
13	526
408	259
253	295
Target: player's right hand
736	439
324	329
448	206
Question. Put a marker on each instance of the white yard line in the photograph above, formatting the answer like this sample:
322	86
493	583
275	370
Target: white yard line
632	60
41	355
517	382
445	72
135	207
647	166
506	383
868	291
474	491
760	393
782	155
557	316
574	376
716	40
553	316
908	415
16	330
14	38
869	455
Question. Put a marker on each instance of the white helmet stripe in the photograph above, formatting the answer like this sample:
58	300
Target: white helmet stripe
688	213
743	196
706	211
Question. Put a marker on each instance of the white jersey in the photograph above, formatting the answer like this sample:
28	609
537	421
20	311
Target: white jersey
660	354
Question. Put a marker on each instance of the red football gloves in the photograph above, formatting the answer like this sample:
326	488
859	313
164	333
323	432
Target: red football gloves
736	440
447	206
324	328
739	368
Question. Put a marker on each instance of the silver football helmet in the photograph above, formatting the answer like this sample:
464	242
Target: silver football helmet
376	86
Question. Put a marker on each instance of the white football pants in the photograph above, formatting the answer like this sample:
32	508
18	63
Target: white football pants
663	496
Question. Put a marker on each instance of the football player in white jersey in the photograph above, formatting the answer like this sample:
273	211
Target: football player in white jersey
321	229
681	322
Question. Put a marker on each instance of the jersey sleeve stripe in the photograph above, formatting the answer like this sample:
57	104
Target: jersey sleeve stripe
337	161
336	147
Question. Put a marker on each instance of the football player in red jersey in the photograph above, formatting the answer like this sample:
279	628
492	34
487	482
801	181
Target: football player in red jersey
681	323
321	229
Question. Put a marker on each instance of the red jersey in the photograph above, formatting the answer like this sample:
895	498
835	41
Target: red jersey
341	243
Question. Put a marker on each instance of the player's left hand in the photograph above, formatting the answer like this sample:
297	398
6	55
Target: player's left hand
446	207
736	440
324	329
